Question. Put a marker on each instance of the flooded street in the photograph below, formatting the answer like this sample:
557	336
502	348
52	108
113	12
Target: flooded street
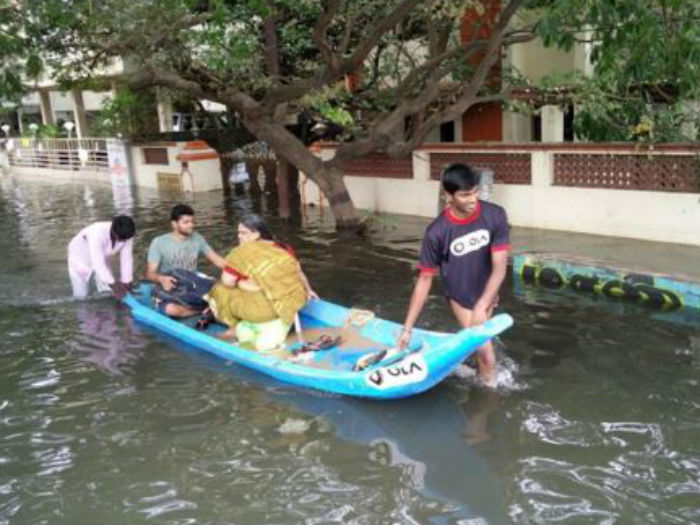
596	419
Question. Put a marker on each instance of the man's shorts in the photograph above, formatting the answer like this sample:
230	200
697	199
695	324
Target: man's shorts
470	306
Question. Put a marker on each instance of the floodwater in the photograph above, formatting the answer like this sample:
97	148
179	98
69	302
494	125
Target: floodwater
596	419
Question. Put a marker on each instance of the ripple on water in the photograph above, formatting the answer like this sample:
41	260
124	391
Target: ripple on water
553	491
644	437
549	426
157	499
53	460
639	484
595	418
38	379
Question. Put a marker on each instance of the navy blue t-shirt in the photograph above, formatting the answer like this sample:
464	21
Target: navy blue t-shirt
461	250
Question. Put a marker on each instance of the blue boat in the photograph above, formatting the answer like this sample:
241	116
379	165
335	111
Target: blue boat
430	357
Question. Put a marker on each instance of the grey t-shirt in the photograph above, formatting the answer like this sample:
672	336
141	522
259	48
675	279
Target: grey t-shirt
169	253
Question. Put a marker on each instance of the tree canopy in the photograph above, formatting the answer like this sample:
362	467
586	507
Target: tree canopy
383	73
646	58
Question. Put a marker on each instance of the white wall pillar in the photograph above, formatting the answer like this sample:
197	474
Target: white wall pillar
421	165
517	127
165	113
19	121
552	124
542	168
47	116
582	54
81	124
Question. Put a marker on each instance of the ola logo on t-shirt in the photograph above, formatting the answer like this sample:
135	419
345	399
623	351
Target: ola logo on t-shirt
470	242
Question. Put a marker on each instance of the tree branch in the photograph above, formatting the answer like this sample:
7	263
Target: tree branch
347	33
203	88
272	47
447	114
331	73
382	133
465	49
319	36
377	32
375	66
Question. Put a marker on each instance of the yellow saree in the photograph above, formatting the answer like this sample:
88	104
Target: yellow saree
282	293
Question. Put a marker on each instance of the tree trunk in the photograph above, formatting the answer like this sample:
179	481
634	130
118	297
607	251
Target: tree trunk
225	165
293	181
327	176
283	169
270	170
332	184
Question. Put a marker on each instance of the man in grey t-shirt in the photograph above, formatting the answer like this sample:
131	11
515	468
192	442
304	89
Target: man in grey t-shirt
178	250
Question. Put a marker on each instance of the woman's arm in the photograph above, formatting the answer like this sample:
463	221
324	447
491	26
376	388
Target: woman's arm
310	294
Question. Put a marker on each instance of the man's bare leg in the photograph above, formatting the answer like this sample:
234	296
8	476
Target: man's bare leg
478	410
486	356
178	310
228	335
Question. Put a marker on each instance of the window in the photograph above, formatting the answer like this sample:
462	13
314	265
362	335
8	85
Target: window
447	131
569	123
536	127
155	156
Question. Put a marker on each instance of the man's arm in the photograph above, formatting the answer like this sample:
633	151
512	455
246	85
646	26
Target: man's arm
153	261
499	267
152	272
418	298
98	258
126	262
166	281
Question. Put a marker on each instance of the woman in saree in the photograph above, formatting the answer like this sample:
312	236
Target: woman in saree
262	283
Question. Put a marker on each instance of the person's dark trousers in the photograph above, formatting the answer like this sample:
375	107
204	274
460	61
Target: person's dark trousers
189	290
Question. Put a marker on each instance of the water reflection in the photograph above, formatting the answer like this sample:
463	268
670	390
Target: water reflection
429	440
597	420
105	337
423	438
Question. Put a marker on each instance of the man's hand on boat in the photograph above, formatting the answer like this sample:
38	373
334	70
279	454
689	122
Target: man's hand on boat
404	339
479	315
120	289
167	282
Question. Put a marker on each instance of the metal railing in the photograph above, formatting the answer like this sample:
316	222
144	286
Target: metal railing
60	154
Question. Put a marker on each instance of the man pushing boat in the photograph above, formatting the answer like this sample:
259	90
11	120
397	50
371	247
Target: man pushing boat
468	244
90	252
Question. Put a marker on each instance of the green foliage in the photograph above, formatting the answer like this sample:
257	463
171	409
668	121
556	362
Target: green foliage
375	221
128	114
336	114
48	131
645	53
12	56
603	116
646	66
331	104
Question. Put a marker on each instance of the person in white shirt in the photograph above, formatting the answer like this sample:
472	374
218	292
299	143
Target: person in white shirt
90	253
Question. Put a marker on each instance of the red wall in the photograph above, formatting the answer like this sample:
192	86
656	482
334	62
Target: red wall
483	122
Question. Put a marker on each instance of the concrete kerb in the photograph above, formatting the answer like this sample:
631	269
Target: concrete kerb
592	277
